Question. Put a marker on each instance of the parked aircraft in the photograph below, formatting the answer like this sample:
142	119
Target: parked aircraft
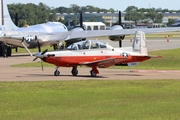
29	37
51	33
18	39
96	54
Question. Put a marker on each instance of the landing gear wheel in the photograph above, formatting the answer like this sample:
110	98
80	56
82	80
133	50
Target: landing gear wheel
9	51
74	72
56	73
93	74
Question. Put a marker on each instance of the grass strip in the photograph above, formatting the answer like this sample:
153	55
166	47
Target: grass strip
90	99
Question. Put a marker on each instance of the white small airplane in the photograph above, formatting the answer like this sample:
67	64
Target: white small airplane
97	54
51	33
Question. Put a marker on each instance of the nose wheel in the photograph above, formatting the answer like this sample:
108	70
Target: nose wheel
56	72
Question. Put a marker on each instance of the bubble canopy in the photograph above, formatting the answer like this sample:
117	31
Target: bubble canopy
87	44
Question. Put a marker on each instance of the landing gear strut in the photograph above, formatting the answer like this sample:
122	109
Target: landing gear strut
56	72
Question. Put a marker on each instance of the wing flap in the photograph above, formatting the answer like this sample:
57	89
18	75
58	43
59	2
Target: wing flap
105	62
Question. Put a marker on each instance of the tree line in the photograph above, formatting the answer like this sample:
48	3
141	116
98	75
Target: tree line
34	14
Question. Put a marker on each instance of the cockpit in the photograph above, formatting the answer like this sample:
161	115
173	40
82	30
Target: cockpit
87	44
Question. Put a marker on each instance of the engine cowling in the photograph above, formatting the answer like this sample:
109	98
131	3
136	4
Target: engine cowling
70	41
117	37
77	29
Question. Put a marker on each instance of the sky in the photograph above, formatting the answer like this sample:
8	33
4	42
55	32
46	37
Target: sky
107	4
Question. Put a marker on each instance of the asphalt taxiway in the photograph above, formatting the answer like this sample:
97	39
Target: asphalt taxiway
9	73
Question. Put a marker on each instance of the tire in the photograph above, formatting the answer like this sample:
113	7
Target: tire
9	50
74	72
93	74
1	50
56	73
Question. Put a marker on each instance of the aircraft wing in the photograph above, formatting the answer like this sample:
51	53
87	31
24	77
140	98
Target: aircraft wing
70	35
105	62
155	56
40	35
97	33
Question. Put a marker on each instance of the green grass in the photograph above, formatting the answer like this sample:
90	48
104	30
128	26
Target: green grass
90	100
22	50
170	61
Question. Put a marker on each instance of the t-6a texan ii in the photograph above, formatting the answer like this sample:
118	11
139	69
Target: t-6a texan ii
96	54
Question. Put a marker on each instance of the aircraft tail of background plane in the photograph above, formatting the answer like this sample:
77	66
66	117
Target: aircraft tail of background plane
6	22
139	43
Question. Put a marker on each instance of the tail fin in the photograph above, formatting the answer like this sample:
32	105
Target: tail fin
6	22
139	43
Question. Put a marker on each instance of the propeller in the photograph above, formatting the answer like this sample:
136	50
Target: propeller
39	54
81	20
120	23
38	45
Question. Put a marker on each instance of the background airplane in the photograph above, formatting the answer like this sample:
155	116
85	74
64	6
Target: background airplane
28	40
51	33
26	37
96	54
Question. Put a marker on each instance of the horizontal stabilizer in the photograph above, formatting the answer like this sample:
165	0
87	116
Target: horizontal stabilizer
156	56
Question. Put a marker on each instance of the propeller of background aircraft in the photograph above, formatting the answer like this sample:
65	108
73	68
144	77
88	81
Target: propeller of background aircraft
120	23
16	23
81	21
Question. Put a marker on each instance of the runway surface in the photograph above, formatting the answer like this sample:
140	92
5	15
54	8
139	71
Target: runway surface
152	44
8	73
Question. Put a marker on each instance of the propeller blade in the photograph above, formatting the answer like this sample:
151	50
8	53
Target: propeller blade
38	45
16	19
35	59
120	43
81	20
44	52
120	22
23	39
35	37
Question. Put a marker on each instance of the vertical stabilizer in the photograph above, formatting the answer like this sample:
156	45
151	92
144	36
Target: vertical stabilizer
6	22
139	43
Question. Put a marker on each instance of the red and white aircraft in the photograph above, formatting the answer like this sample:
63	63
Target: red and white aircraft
96	54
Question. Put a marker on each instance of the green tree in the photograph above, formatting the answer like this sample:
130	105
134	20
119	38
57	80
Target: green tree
154	15
170	22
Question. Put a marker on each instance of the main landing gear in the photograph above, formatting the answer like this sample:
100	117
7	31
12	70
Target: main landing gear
74	71
94	72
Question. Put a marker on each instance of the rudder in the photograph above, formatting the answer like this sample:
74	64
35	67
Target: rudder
139	43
